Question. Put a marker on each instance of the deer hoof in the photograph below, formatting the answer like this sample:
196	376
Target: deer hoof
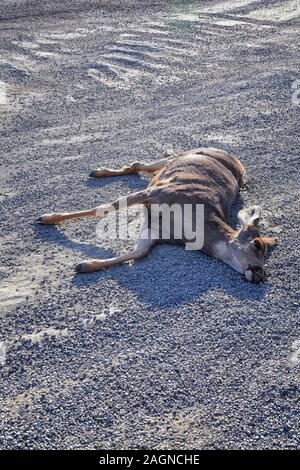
47	219
85	267
93	174
81	268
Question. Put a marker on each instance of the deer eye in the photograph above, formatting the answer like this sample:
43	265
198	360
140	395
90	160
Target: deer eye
259	245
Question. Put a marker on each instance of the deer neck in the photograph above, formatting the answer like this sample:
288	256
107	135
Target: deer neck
219	237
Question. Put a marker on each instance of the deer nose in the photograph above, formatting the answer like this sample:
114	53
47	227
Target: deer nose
255	274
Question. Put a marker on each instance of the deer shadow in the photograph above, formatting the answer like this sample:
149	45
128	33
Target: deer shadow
55	236
168	276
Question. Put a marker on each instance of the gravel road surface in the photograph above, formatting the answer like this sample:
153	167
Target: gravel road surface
176	350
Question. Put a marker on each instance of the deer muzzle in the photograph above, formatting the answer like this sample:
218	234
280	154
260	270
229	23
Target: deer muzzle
255	274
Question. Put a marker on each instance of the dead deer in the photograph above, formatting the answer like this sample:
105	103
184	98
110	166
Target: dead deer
206	176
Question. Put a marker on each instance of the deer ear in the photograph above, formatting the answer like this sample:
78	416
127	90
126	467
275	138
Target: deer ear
270	241
250	215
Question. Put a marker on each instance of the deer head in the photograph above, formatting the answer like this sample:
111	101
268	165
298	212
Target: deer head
246	248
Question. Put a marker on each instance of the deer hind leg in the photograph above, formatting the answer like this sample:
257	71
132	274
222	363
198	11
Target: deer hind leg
146	241
100	211
134	167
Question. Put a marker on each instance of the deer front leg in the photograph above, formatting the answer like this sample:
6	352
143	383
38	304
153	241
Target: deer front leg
100	211
133	168
146	241
57	217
